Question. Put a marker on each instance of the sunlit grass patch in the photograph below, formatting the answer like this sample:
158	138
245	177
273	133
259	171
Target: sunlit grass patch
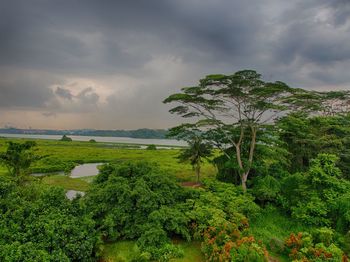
192	252
66	182
126	250
119	251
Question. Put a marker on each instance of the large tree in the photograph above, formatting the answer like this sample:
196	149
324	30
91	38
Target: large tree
231	109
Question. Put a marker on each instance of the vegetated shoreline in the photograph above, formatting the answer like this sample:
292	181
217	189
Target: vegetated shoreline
144	133
159	142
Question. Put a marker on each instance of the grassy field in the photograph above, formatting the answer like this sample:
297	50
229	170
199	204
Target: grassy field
63	156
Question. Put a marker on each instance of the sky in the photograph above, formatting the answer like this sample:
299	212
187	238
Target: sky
109	64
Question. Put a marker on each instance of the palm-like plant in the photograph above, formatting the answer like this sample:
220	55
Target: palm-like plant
195	153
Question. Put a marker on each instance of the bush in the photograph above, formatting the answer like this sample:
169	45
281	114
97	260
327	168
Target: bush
266	189
318	197
302	248
66	138
151	147
39	223
228	242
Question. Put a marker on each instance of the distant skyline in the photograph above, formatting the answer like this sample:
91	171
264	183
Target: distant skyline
73	64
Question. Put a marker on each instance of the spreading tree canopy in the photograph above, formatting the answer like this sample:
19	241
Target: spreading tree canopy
230	109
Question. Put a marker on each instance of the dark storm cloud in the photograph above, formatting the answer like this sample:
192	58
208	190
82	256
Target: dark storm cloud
304	43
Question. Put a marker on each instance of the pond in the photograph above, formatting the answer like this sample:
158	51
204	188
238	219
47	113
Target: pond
85	170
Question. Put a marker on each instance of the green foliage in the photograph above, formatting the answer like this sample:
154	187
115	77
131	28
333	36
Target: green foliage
227	242
306	137
271	159
230	109
18	158
40	224
151	147
301	247
219	217
64	156
196	151
138	201
314	197
267	189
66	139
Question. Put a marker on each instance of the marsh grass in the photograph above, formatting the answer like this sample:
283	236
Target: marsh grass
66	182
125	251
64	156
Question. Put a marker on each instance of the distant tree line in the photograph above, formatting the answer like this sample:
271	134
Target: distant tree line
138	133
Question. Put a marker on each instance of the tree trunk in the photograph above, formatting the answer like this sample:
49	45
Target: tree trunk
244	181
198	170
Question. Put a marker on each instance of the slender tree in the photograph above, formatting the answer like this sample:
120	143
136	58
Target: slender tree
195	153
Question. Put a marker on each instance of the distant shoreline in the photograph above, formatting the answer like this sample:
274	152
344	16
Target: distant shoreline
104	139
143	133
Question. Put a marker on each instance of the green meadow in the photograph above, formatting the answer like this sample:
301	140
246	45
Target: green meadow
63	156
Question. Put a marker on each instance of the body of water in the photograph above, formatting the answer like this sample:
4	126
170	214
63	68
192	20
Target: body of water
85	170
125	140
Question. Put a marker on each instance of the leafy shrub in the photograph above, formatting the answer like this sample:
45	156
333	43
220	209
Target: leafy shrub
267	189
151	147
40	224
302	248
66	138
227	242
313	198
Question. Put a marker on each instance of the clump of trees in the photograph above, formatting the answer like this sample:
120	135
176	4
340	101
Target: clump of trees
66	138
18	157
138	201
151	147
231	110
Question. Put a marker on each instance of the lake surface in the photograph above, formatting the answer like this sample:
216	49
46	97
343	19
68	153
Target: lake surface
125	140
85	170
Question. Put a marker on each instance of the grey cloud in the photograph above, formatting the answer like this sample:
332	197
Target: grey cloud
304	43
49	114
88	96
24	92
64	93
